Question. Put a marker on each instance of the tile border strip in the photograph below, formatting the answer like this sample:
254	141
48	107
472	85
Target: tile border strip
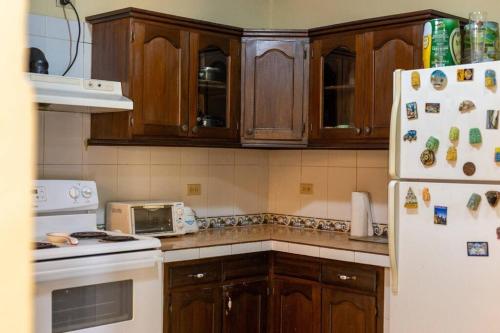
293	221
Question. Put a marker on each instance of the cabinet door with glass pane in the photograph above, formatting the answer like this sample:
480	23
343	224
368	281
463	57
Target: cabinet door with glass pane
336	98
214	86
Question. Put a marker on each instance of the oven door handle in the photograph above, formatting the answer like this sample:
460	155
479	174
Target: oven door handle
72	272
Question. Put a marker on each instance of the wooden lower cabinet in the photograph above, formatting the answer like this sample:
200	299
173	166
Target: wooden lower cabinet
196	310
348	312
297	306
245	308
273	292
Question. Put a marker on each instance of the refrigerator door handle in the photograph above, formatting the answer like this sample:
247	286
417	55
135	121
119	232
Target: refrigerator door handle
393	136
392	236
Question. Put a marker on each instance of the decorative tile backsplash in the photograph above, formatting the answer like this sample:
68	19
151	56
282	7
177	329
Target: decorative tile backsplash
287	220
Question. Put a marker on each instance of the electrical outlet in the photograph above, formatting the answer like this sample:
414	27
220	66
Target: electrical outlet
58	3
193	189
306	188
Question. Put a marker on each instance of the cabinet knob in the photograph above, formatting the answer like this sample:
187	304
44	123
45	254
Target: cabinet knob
184	128
358	130
250	131
194	129
368	130
131	121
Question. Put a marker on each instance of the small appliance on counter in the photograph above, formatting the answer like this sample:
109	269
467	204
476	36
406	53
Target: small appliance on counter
152	218
362	219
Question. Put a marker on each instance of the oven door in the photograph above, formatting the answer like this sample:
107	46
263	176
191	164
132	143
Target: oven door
153	219
101	294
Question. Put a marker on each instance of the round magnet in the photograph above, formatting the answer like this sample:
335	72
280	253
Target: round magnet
469	169
427	157
439	79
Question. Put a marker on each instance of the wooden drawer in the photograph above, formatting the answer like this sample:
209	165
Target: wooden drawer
195	274
245	266
349	276
296	266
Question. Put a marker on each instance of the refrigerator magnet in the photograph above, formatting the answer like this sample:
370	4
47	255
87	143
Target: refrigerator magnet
469	168
492	119
411	135
440	215
477	249
474	202
427	157
411	110
415	80
498	233
451	154
490	79
492	197
432	107
411	201
497	154
465	74
454	134
466	106
439	79
432	144
475	136
426	194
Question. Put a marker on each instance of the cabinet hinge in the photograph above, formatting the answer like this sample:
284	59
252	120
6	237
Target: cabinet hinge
132	36
170	307
303	128
268	291
312	53
305	53
237	125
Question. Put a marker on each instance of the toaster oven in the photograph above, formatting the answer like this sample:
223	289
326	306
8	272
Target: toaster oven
152	218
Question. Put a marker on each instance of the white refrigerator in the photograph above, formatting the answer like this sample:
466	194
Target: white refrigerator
443	242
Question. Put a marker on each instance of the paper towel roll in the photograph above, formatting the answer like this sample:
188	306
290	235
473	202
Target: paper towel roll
361	214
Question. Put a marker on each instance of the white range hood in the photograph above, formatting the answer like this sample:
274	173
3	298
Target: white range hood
70	94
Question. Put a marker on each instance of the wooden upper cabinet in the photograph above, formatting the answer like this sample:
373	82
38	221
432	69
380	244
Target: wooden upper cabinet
345	311
336	83
385	51
215	86
160	60
160	80
297	306
274	91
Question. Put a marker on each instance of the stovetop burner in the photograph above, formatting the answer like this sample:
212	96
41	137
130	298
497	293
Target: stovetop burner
43	245
118	239
89	235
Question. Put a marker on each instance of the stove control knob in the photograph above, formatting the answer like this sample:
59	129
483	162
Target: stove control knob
74	192
86	192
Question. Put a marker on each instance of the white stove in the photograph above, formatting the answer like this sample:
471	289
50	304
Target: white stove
110	283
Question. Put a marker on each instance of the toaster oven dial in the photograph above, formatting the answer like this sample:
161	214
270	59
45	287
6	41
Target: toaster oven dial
180	211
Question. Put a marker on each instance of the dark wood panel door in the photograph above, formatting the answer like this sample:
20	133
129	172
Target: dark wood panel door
387	50
195	311
348	312
274	90
160	80
215	72
296	306
336	89
245	308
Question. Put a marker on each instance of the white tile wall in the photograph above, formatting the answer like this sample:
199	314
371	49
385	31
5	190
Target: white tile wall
57	39
234	181
334	174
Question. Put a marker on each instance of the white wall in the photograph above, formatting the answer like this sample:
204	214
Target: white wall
17	128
